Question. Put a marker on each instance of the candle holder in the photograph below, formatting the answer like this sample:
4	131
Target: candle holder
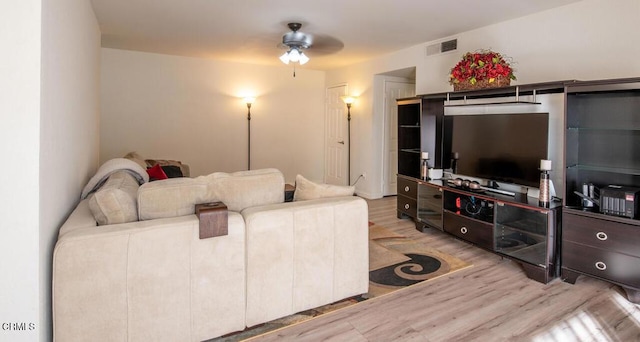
544	198
424	171
454	162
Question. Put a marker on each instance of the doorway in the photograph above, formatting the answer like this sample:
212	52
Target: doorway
393	88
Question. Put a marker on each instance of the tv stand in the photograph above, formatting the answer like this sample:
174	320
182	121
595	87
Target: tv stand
515	227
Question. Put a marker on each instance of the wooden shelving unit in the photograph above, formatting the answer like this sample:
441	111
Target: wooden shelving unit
601	140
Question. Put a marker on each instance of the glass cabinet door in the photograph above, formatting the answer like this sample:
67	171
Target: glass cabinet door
521	233
430	205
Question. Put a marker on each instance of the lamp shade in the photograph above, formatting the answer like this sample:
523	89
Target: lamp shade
285	57
294	55
349	99
303	58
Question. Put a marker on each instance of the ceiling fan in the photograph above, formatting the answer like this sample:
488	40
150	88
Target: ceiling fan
297	43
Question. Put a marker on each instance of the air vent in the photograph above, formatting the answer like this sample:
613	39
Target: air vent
449	45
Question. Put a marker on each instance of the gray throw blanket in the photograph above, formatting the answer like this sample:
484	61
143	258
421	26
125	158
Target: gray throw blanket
110	167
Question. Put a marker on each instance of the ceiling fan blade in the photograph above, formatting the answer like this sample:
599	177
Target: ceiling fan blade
325	45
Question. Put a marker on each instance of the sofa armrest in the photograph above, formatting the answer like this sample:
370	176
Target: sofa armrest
305	254
148	280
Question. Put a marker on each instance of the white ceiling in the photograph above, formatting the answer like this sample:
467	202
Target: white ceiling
249	31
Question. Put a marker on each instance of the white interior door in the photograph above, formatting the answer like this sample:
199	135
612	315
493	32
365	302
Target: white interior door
393	90
335	137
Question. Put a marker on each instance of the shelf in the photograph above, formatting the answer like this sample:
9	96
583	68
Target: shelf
591	213
517	227
603	129
494	103
632	172
532	254
516	94
409	126
410	150
524	89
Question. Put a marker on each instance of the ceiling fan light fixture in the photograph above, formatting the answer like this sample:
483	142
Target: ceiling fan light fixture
294	55
285	57
303	58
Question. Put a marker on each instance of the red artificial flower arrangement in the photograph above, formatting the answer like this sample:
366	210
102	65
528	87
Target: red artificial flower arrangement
481	69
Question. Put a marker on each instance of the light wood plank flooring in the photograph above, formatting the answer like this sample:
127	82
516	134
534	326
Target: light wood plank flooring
491	301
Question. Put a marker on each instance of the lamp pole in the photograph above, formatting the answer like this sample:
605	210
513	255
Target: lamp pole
349	141
348	100
248	135
249	101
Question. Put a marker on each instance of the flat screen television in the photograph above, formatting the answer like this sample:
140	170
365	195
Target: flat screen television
502	147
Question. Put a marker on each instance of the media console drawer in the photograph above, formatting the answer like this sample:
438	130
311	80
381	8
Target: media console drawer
476	232
617	267
614	236
407	188
408	206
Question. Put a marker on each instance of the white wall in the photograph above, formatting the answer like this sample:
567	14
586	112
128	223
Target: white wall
49	106
19	146
69	120
592	39
171	107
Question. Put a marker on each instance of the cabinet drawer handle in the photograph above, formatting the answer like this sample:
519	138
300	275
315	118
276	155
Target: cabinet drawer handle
463	230
407	206
406	188
602	236
601	265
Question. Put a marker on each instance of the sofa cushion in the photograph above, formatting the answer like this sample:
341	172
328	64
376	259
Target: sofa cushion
306	190
172	171
136	157
239	190
184	168
243	189
172	197
156	173
115	201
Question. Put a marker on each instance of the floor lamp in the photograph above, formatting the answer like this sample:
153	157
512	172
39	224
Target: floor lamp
249	101
349	100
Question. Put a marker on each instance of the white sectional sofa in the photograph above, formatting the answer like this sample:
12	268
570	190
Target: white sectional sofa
155	280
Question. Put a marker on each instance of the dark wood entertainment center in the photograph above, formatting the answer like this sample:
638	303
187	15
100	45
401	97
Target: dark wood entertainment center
563	239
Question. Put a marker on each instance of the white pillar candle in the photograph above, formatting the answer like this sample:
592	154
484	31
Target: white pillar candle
425	155
456	156
545	164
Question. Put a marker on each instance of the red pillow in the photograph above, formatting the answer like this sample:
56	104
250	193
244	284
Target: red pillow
156	173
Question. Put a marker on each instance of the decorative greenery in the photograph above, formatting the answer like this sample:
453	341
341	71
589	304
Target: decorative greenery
481	65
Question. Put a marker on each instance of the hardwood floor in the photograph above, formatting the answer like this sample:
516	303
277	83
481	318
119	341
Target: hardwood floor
491	301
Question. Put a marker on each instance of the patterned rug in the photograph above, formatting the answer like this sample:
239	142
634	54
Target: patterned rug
395	262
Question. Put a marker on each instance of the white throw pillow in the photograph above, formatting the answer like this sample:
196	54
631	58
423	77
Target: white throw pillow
172	197
306	190
115	201
244	189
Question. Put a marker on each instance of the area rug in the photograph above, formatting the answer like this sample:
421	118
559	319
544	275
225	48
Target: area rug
395	262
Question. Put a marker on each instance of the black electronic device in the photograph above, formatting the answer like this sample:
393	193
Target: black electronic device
502	147
469	206
619	201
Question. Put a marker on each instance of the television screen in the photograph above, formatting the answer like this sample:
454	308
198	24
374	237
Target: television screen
501	147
